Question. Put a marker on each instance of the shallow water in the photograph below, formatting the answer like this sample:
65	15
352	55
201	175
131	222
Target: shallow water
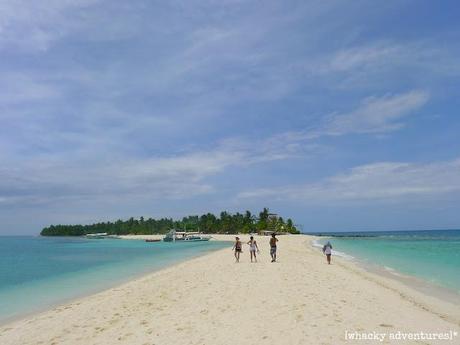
433	256
38	272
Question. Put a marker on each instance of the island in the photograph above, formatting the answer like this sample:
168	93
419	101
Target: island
225	223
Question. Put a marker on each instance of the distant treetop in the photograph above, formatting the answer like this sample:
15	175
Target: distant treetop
226	223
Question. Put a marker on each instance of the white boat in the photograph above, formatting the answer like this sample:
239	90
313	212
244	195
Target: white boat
101	235
173	236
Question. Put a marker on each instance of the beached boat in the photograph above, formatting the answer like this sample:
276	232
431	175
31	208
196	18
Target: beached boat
185	236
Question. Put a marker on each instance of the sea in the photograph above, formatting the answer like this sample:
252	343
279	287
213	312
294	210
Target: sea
432	256
37	273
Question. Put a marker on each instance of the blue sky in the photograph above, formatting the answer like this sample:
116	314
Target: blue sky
340	114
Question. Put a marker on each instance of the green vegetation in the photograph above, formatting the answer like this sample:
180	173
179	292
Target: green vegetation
225	224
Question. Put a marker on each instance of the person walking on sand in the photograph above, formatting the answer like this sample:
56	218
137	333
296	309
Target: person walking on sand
237	249
327	250
253	247
273	241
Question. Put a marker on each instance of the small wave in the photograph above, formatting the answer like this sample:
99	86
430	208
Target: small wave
317	244
392	271
342	254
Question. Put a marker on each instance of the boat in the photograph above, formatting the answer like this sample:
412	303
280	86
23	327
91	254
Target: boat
101	235
174	235
98	235
152	240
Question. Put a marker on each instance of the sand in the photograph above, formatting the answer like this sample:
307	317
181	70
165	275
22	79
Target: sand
213	300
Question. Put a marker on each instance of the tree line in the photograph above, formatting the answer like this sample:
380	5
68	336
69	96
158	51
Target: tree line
225	223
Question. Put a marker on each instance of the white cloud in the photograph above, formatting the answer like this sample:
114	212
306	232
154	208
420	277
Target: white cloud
181	176
185	175
376	114
387	181
44	181
18	88
380	57
360	58
34	26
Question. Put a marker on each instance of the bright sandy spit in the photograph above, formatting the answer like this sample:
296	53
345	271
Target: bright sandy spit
212	300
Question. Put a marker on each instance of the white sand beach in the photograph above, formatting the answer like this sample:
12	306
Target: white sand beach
213	300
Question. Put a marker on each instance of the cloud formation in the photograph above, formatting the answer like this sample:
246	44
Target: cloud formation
383	181
153	103
178	176
376	114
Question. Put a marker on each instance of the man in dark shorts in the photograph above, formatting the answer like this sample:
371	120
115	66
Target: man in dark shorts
273	241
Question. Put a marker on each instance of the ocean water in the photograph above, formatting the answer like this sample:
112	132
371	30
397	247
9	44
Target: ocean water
39	272
433	256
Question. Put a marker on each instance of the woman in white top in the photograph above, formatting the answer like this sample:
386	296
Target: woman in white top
253	247
327	249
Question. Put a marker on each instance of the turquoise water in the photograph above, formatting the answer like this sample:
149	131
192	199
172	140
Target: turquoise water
38	272
431	255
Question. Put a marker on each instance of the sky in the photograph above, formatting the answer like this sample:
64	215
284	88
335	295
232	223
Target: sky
342	115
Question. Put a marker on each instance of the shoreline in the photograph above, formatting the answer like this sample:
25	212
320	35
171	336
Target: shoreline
411	281
300	290
101	287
